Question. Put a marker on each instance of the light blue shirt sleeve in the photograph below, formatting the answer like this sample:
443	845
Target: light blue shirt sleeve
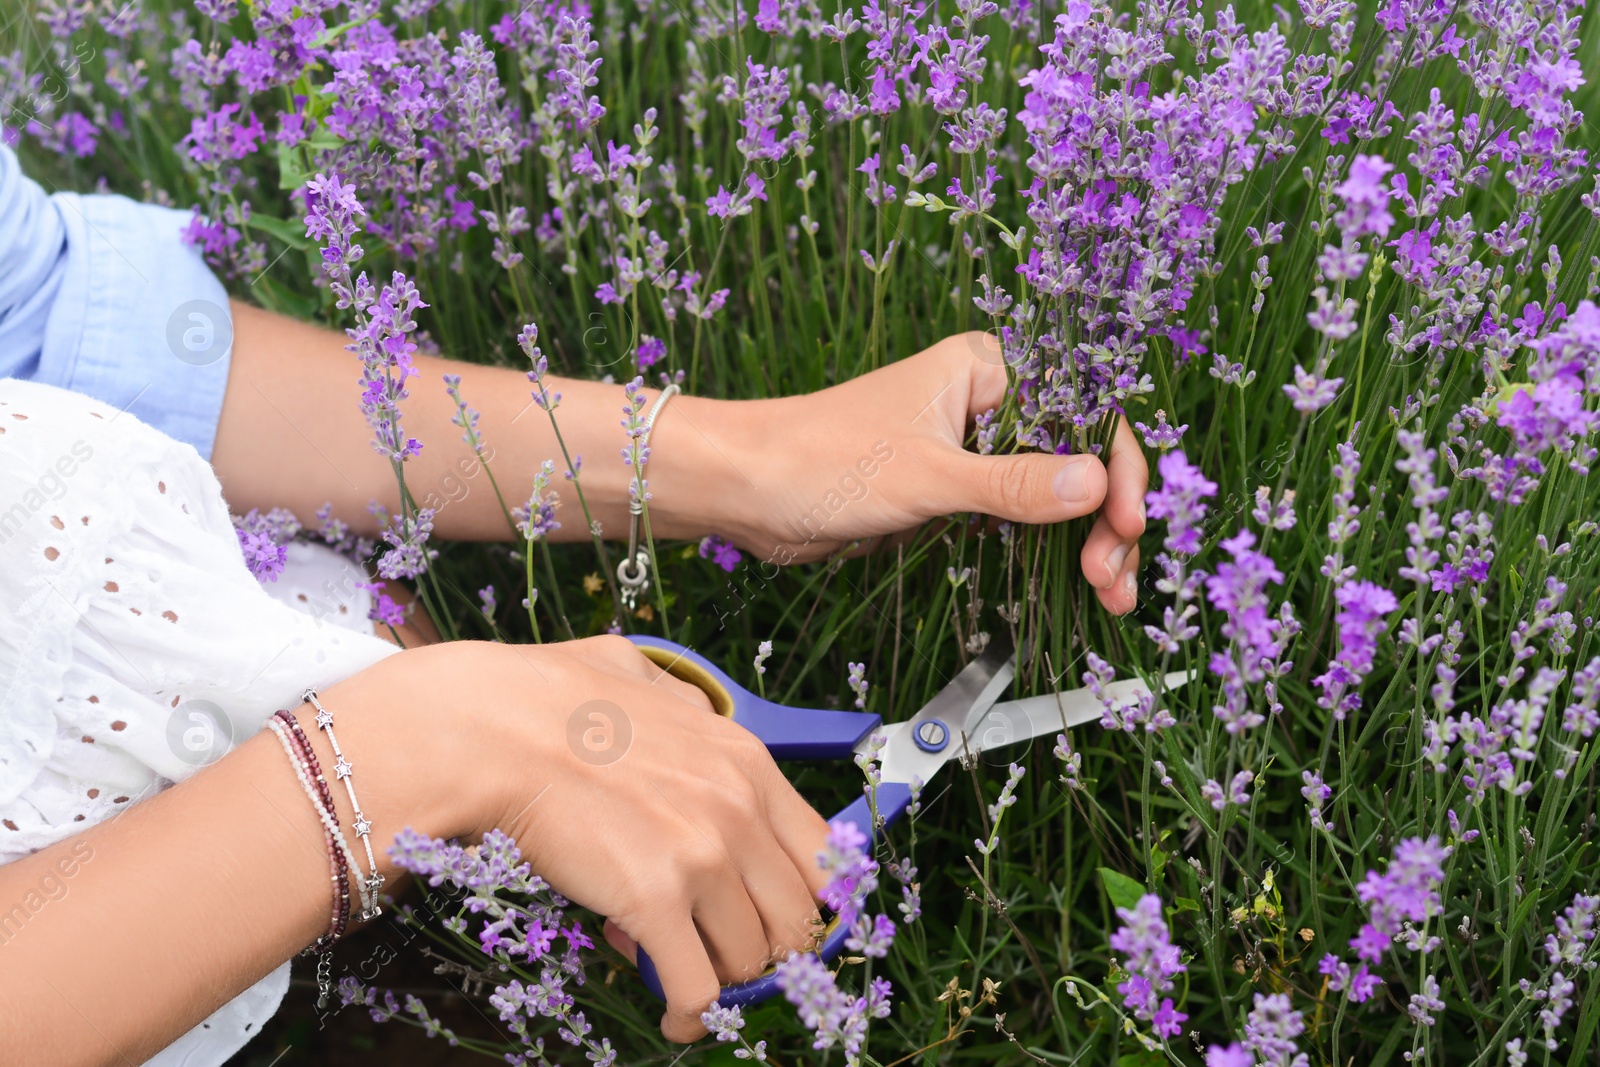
100	295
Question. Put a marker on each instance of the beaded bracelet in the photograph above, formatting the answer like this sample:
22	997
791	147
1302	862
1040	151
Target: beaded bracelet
339	860
363	828
339	871
327	813
309	768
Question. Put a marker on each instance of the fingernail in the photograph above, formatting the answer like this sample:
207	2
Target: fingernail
1072	482
1114	561
1141	511
1130	585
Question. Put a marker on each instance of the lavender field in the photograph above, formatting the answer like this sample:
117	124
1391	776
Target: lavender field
1338	266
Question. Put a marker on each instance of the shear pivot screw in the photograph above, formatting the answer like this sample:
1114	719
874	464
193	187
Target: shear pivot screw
932	736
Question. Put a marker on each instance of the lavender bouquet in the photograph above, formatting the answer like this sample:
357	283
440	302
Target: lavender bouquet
1336	263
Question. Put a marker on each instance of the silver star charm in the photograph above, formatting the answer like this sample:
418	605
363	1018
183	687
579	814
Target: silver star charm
342	768
324	718
362	827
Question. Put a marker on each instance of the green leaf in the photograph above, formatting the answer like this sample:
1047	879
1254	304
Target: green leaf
328	36
290	233
1123	891
291	175
1142	1058
323	140
1185	904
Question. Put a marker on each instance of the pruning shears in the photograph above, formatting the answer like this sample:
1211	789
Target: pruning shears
963	719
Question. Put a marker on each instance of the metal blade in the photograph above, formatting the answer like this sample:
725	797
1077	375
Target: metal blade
955	709
1051	713
966	697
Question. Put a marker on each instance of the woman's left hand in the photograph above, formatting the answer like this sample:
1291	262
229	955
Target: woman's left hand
801	477
790	479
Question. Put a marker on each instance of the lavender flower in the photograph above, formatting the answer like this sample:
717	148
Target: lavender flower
1007	797
381	337
408	555
1572	944
1270	1031
1310	391
1316	794
852	874
1071	760
264	558
1180	502
833	1016
263	540
1151	960
1256	639
536	520
1236	793
1362	607
724	1024
1425	1003
1232	1055
1359	984
858	684
1407	892
1163	436
720	550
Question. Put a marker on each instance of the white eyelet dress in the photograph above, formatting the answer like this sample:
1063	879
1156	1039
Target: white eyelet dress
135	645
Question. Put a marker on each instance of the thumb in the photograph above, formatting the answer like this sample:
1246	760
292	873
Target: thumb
1032	487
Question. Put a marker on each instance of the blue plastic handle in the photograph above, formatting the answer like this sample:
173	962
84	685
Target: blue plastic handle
788	733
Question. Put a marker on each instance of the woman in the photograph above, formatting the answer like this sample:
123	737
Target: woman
145	920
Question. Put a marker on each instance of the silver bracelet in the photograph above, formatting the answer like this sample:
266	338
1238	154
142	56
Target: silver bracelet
634	570
329	823
363	828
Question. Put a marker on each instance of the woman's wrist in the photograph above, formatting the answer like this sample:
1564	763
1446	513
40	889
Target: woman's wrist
706	460
405	726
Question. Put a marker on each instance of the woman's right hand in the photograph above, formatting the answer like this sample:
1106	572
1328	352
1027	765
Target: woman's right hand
624	790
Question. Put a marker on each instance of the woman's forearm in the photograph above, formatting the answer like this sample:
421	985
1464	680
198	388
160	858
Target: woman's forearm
292	435
207	886
690	841
787	479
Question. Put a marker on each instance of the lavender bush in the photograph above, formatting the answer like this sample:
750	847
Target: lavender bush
1338	265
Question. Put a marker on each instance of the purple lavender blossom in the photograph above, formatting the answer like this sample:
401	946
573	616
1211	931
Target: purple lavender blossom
1362	607
1310	391
1358	984
720	550
852	873
536	520
1180	502
1127	189
1407	892
381	336
263	540
1232	1055
1316	793
650	351
1163	436
1366	201
857	680
1151	959
1270	1031
1257	640
724	1024
833	1016
408	555
265	558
